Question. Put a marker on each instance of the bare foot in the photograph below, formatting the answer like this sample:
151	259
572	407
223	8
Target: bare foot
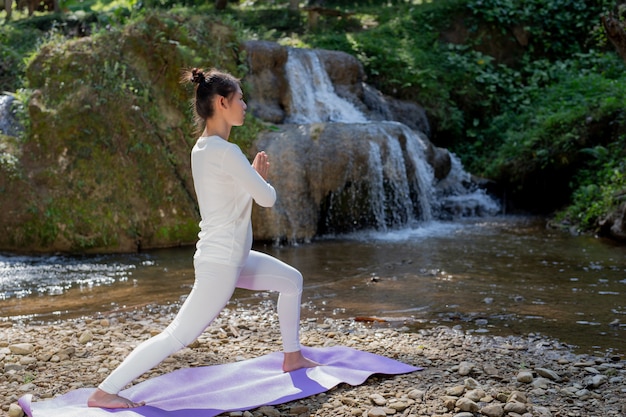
295	360
103	399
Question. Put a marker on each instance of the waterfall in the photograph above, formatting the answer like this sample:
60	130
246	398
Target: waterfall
460	197
377	185
8	123
313	97
361	173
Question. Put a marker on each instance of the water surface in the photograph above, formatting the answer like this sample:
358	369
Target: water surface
502	275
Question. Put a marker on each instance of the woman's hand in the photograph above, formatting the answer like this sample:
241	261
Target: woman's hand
261	164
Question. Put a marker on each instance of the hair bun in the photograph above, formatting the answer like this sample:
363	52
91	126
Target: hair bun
197	76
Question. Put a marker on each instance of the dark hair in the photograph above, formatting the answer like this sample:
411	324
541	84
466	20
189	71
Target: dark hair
207	86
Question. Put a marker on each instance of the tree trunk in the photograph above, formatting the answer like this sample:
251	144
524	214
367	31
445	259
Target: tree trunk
614	29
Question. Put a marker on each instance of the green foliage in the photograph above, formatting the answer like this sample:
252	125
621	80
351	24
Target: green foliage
517	89
556	27
15	43
598	188
553	125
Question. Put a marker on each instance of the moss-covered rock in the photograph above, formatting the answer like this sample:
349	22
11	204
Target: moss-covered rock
105	163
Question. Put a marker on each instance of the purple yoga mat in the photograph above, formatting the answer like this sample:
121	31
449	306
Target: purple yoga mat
211	390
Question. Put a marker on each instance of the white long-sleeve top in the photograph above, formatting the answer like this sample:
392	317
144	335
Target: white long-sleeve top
226	184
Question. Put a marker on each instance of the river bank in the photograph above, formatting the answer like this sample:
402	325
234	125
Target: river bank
463	375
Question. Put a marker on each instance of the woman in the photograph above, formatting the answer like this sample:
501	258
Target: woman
225	184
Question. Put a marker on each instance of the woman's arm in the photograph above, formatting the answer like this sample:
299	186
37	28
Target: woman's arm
251	177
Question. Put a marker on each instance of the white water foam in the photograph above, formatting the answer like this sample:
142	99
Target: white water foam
313	97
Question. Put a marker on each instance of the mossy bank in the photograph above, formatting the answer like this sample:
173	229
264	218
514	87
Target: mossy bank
105	164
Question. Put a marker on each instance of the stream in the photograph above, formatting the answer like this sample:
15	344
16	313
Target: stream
502	275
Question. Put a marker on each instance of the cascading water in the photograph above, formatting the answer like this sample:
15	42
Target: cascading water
399	185
313	98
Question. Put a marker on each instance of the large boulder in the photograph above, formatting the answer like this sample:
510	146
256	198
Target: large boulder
338	177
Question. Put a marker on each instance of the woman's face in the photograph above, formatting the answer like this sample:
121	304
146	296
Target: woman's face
237	108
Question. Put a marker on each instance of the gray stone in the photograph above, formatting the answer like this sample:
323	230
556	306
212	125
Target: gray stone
471	383
542	383
465	368
525	377
539	411
548	373
596	380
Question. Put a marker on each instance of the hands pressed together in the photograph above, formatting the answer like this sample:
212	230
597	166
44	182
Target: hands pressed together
261	164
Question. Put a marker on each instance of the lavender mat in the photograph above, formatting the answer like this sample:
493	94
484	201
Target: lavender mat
211	390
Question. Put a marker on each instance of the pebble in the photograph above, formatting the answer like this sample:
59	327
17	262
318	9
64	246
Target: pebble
51	359
465	368
547	373
493	410
22	348
525	377
465	404
15	411
376	412
515	407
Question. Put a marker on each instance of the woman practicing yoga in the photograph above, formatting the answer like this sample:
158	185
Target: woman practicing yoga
225	184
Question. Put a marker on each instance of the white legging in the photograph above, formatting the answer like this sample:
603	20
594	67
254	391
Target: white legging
214	286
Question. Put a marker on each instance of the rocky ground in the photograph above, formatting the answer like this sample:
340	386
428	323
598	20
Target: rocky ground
463	376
